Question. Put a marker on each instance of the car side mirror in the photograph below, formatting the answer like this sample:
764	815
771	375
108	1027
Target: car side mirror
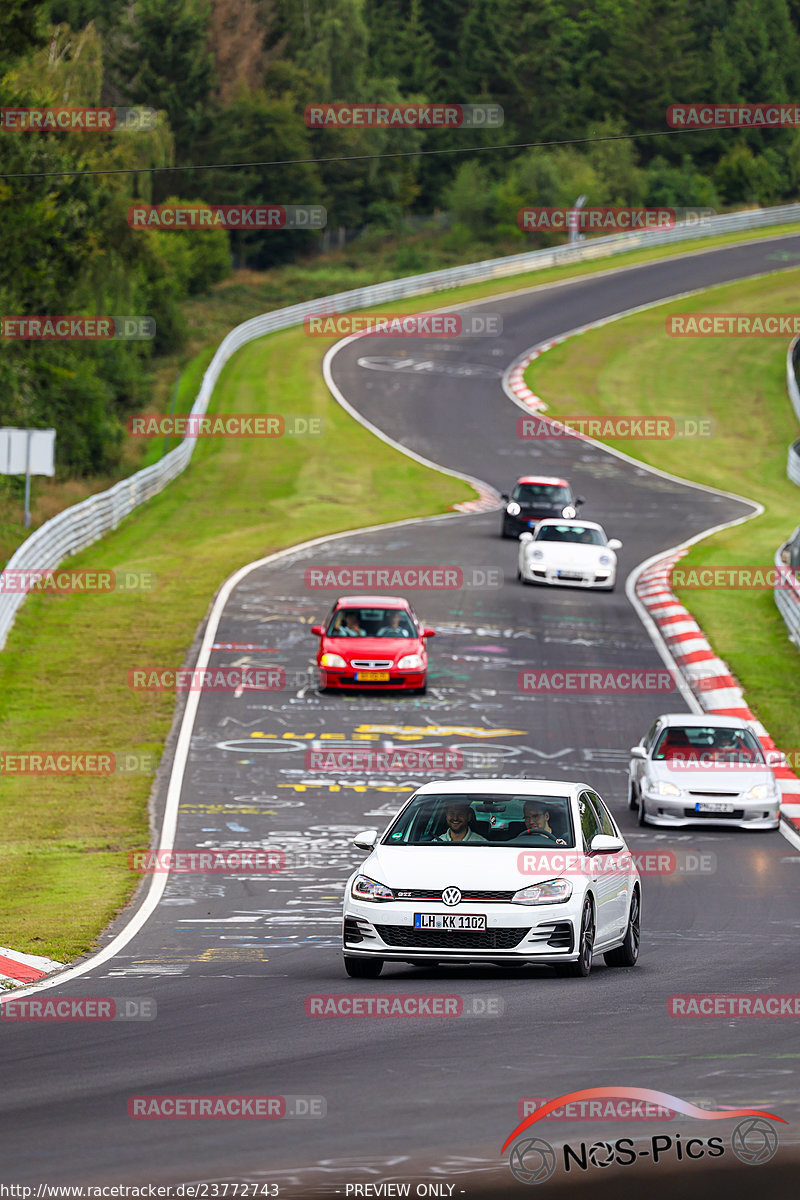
775	758
428	632
638	752
603	844
504	496
580	499
615	544
318	630
366	840
527	536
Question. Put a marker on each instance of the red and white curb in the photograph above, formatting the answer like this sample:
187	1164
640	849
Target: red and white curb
488	500
16	967
708	676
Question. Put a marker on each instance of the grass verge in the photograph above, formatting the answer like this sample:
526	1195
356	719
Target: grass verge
632	367
63	676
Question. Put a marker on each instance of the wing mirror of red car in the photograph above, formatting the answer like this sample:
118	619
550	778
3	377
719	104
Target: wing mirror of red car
428	633
318	630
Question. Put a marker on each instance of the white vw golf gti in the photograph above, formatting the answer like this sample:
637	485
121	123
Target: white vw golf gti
568	554
494	871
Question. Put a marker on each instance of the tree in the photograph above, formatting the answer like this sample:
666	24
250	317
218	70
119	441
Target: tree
164	62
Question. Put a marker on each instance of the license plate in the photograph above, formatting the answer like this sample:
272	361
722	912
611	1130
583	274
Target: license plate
448	921
570	575
713	806
372	676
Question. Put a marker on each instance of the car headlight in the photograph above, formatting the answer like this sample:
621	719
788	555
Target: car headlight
365	888
662	787
332	660
410	662
553	891
604	560
760	791
513	509
569	512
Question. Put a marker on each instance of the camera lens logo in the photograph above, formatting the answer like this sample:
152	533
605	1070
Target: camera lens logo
601	1154
754	1141
533	1161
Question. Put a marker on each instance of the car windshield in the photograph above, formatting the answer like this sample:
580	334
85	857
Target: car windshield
472	820
371	622
535	493
708	744
570	533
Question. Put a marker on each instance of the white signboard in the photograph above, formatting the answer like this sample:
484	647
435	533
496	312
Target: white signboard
14	451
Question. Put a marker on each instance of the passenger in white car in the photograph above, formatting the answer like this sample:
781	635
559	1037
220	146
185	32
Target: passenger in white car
458	817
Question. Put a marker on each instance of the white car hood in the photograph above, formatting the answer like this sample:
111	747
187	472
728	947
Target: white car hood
474	867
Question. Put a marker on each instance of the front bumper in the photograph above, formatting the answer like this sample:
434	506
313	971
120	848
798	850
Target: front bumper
345	679
514	932
532	573
679	811
524	522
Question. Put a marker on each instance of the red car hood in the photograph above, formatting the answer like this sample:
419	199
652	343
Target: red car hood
371	647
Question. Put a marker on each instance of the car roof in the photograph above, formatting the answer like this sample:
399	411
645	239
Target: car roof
543	479
384	601
502	787
704	720
569	521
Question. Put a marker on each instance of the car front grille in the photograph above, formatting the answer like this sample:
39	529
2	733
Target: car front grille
451	939
492	897
716	795
371	664
736	815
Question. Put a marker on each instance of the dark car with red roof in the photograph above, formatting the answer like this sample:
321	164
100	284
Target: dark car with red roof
534	498
375	642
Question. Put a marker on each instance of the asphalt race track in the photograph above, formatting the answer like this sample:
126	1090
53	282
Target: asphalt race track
230	960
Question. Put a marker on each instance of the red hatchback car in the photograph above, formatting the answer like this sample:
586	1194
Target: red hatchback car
372	642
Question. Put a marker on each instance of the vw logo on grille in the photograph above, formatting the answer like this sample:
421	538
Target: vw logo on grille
451	896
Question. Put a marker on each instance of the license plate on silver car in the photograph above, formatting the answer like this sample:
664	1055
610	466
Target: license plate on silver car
713	806
448	921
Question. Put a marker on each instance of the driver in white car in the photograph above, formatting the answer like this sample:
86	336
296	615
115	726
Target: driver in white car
458	818
537	817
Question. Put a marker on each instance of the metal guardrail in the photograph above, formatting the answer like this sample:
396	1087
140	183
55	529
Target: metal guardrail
79	526
787	598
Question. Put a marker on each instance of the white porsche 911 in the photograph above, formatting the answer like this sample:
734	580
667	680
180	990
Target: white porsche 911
494	871
568	554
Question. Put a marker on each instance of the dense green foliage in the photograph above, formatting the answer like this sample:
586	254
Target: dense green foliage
231	80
